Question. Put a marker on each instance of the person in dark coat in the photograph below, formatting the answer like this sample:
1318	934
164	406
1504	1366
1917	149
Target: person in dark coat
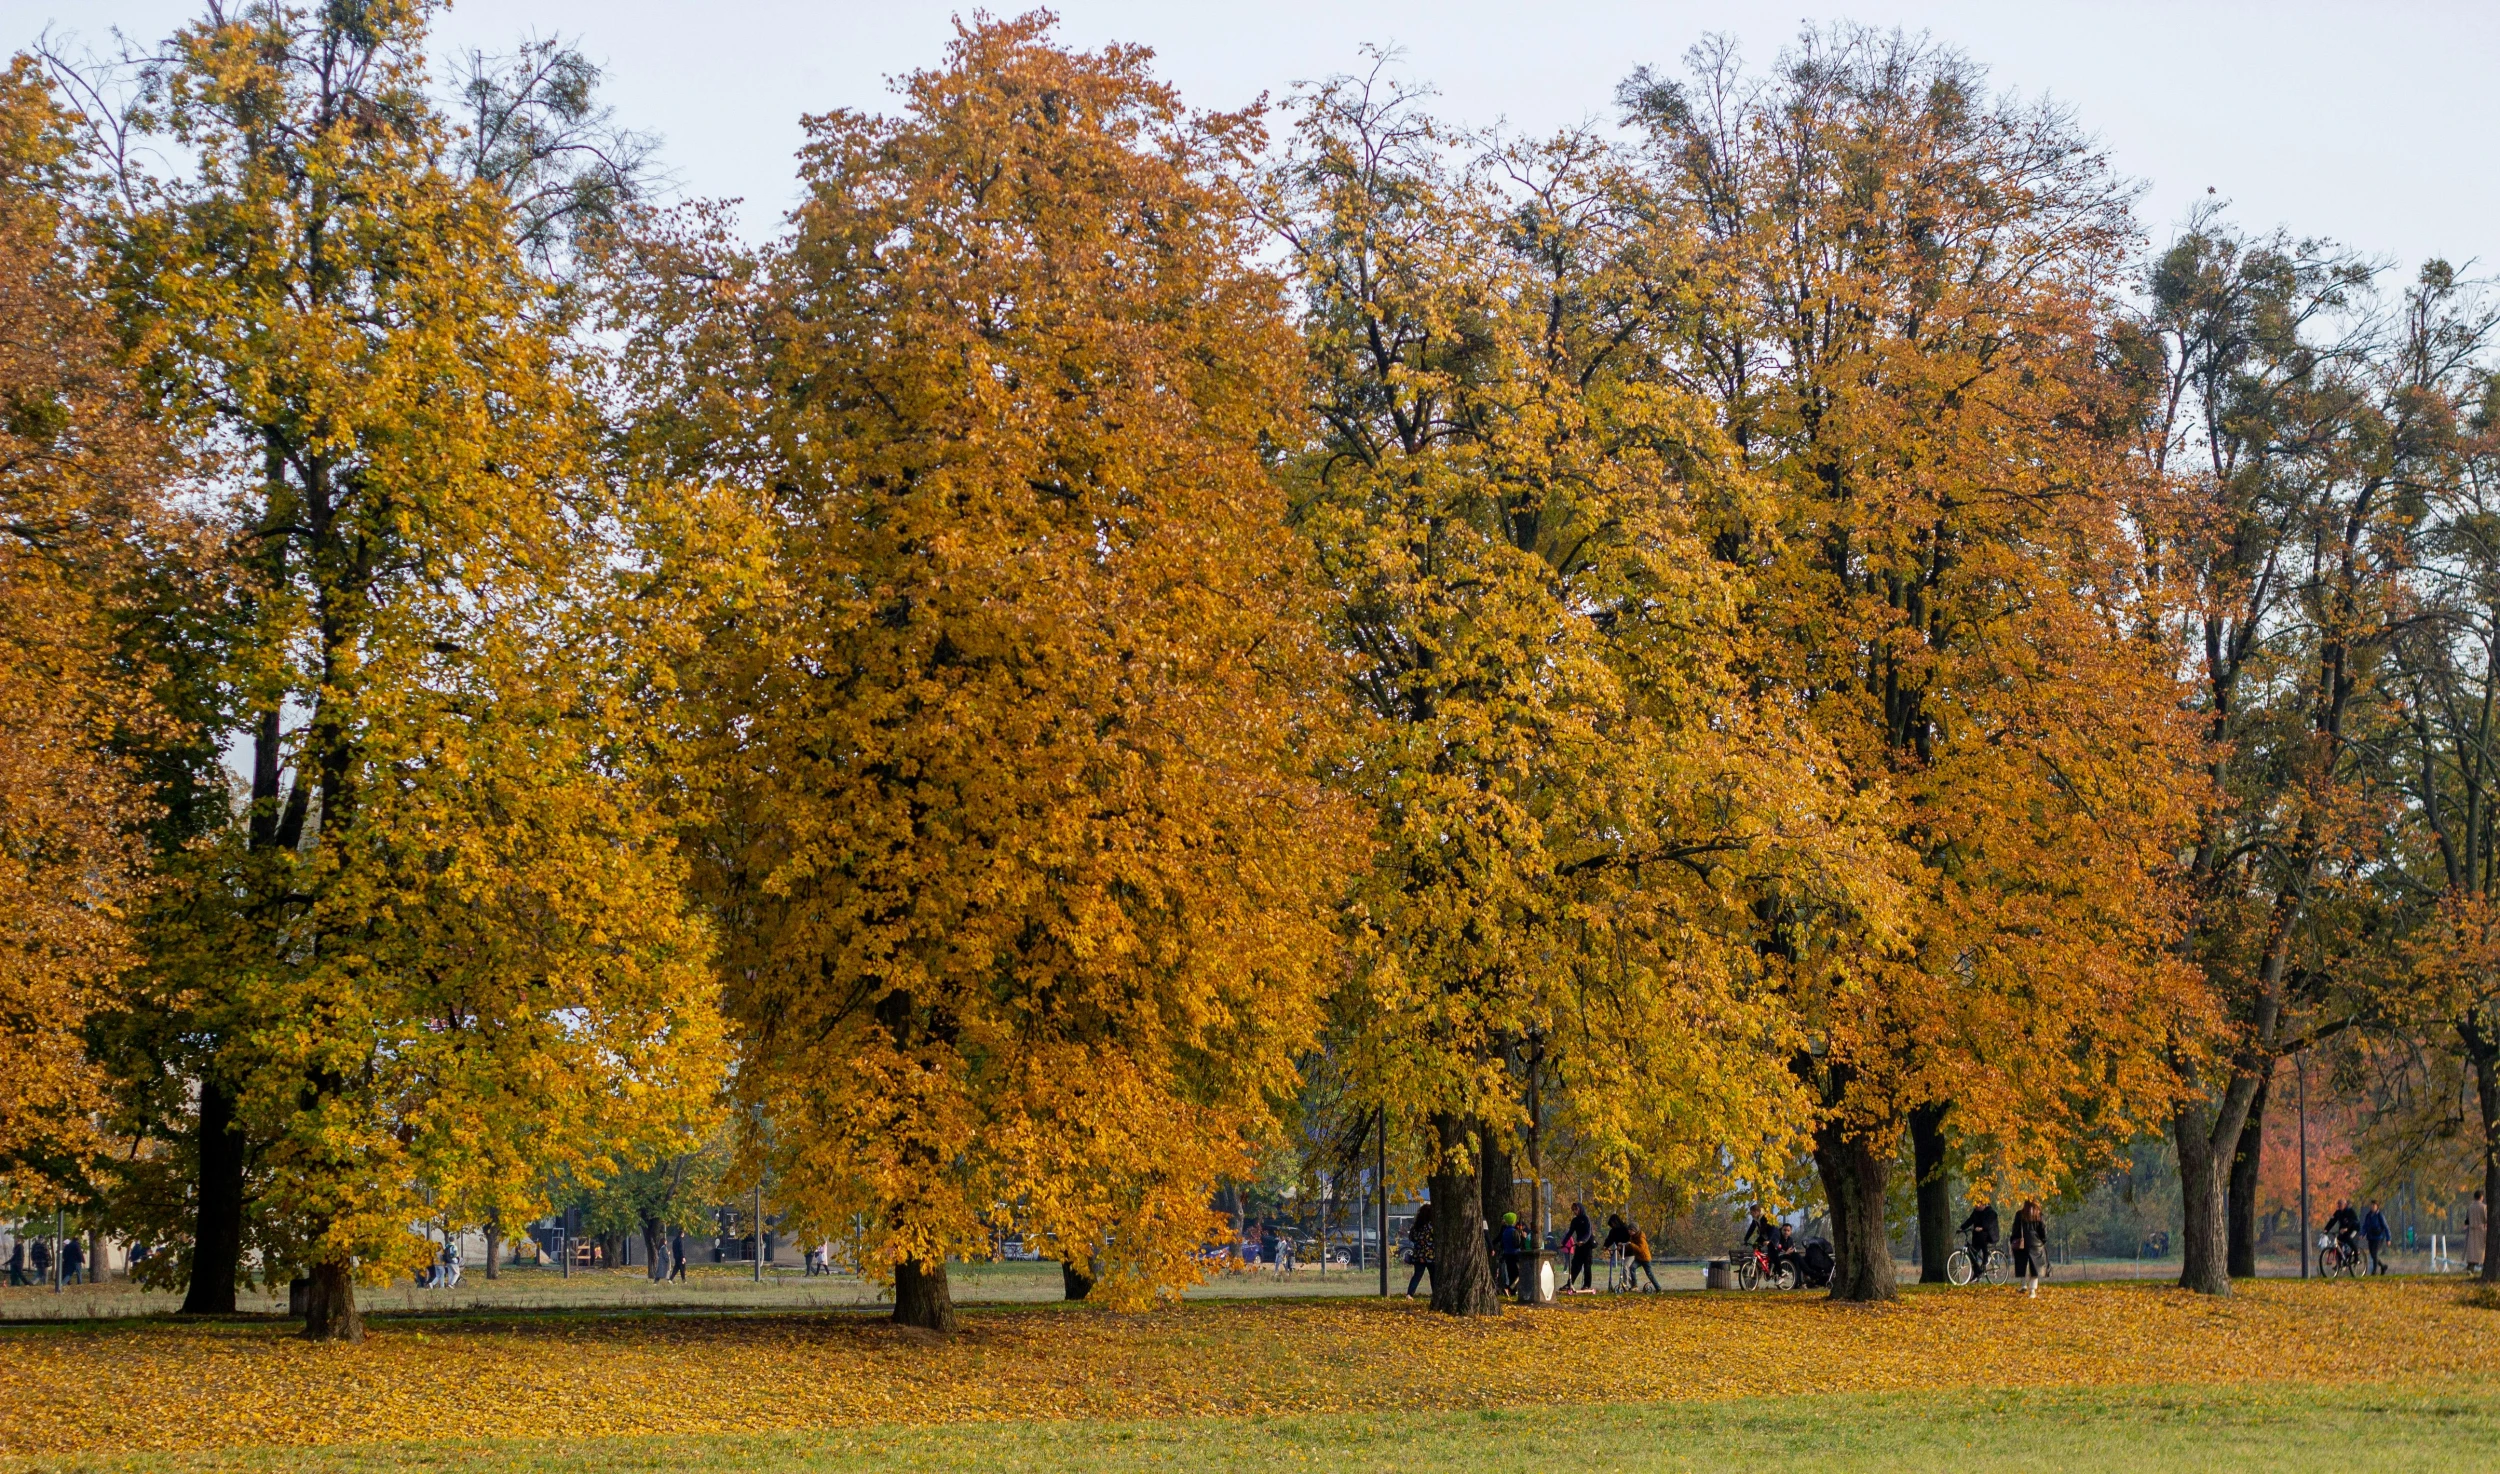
2346	1226
43	1260
1982	1227
1507	1247
1583	1242
2374	1233
2031	1247
73	1259
17	1263
1419	1250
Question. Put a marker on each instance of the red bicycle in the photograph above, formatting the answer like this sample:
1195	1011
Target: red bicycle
1754	1270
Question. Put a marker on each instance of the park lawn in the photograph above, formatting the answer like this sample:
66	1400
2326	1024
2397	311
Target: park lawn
2286	1428
592	1384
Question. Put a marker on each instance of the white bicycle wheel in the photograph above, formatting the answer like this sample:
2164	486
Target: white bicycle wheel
1957	1266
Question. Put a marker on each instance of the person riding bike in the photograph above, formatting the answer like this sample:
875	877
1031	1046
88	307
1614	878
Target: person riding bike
1981	1226
2346	1226
1764	1233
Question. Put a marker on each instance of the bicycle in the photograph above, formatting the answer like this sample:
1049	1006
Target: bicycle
1963	1266
2337	1257
1754	1269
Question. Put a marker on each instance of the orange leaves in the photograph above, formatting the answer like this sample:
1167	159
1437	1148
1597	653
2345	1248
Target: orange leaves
247	1385
79	483
1028	865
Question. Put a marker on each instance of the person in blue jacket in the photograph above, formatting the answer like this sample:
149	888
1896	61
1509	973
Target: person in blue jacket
2374	1233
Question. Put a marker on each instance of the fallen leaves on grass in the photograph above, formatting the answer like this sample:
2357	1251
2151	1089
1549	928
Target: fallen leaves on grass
102	1388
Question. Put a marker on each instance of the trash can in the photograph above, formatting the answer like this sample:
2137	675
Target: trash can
1720	1276
1536	1278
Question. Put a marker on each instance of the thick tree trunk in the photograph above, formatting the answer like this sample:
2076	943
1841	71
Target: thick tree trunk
1074	1283
2487	1087
217	1228
494	1249
654	1249
1935	1193
2204	1179
1462	1275
1855	1177
1493	1177
921	1298
330	1312
2241	1246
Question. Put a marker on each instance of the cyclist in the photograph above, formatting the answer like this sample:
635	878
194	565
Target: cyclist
1981	1226
2346	1226
1761	1233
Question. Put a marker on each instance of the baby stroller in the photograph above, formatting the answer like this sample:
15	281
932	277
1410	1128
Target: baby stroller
1814	1266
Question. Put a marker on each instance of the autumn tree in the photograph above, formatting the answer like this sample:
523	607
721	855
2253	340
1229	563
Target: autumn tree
2438	389
1579	806
80	480
1900	291
2255	357
1022	868
439	945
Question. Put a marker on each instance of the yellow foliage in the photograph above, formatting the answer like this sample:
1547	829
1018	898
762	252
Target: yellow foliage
243	1385
1022	864
79	480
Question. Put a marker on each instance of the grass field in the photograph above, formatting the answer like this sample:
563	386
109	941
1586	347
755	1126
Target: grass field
2397	1373
2150	1429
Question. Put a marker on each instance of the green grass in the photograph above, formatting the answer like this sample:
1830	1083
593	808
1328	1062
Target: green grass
2282	1428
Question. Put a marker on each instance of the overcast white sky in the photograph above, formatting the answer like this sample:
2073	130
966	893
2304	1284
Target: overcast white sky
2375	124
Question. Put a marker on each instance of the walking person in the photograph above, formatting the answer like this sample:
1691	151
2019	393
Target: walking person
73	1259
2477	1226
1507	1248
17	1263
1583	1245
1419	1250
2031	1247
677	1257
43	1261
2374	1236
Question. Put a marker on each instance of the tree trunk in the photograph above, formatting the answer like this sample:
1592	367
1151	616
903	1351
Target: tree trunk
1493	1177
1075	1283
1935	1193
2241	1246
2203	1180
1855	1177
330	1312
217	1232
921	1299
654	1249
1462	1276
494	1248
